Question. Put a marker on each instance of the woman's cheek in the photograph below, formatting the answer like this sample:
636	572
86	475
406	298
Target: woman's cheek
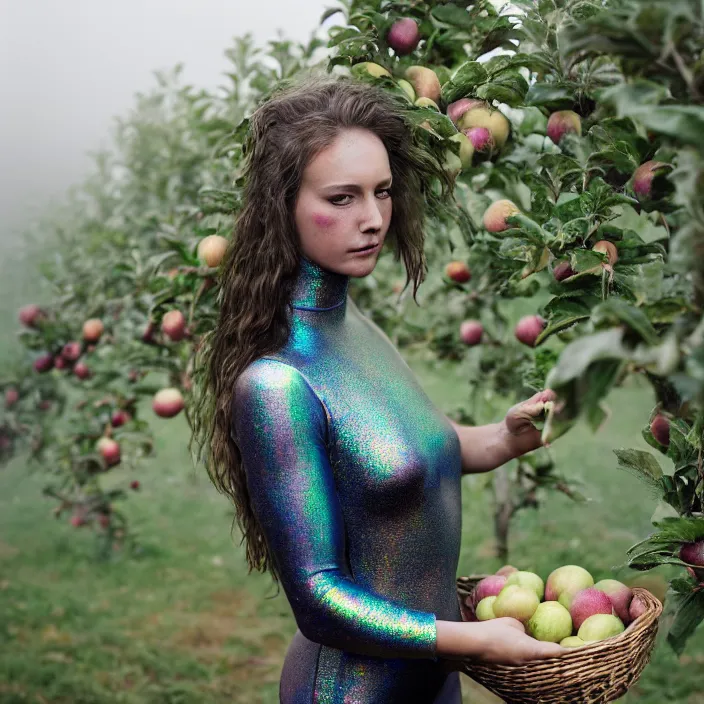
323	222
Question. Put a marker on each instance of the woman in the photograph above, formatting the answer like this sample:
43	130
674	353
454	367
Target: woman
344	475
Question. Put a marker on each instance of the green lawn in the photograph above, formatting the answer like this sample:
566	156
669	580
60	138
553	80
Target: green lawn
184	623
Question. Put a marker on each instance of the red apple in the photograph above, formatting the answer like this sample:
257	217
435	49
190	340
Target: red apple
12	395
563	122
529	328
506	570
119	418
92	330
134	484
607	248
211	250
167	403
471	332
562	271
44	363
81	370
489	586
403	36
104	520
77	520
588	602
693	553
496	214
30	315
458	271
60	362
44	405
482	140
425	82
71	351
620	596
109	450
148	333
460	107
636	609
660	429
643	178
173	325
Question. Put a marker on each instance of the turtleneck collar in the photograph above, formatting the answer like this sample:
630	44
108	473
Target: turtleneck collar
317	288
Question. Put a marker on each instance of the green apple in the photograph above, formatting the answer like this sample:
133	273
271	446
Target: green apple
600	627
466	150
572	642
551	622
407	88
529	580
572	578
485	609
426	103
372	69
516	602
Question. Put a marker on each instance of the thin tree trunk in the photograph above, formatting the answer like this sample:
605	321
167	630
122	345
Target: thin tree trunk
503	509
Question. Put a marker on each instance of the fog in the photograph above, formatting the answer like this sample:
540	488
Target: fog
67	68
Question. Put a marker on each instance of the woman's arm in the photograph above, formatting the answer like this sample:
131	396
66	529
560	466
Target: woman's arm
486	447
280	426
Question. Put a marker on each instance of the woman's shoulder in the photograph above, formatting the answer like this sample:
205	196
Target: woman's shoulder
271	377
271	388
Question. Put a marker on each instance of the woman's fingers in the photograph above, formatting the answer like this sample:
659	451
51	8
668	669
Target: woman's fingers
551	650
513	622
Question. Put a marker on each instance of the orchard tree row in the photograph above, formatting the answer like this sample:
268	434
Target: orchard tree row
572	131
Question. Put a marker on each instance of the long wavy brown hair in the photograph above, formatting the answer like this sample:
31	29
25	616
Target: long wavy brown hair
295	122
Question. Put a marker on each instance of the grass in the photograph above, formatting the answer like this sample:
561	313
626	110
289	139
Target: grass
183	622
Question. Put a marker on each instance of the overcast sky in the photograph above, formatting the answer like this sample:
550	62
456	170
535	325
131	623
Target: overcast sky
67	67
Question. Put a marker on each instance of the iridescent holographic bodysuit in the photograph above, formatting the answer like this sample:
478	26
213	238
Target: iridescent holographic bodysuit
354	476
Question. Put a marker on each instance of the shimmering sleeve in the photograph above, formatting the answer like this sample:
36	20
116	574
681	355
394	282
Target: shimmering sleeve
280	426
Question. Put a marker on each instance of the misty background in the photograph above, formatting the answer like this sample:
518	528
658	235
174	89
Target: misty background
68	68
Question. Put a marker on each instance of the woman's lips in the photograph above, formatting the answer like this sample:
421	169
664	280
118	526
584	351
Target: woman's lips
365	252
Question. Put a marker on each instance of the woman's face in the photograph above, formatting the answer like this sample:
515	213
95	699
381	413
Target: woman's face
344	203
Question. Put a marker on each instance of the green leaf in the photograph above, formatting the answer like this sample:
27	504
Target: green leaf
682	529
689	613
497	65
635	95
643	464
640	102
539	62
562	313
596	383
453	16
533	121
329	12
549	94
583	260
578	355
616	311
439	122
464	81
510	90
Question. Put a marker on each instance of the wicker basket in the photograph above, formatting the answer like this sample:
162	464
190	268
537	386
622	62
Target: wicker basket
593	674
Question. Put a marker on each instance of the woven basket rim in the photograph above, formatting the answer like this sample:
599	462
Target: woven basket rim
642	623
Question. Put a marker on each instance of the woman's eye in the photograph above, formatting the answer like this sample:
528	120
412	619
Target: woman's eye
335	201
